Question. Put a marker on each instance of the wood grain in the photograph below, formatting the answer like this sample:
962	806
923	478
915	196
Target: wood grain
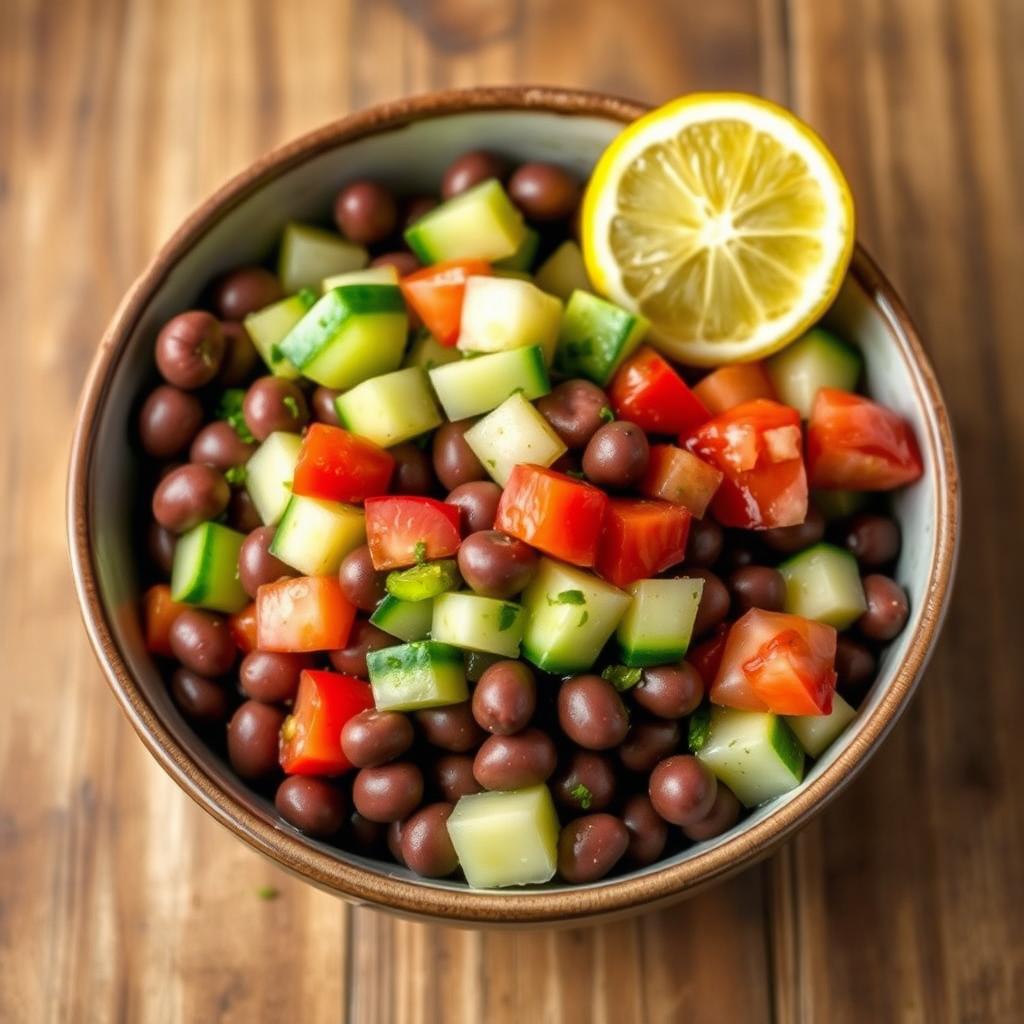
120	900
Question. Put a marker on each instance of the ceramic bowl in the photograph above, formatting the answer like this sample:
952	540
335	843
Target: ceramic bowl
407	144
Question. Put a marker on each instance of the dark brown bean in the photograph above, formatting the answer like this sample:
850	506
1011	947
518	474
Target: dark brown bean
188	496
513	762
451	727
591	712
256	565
273	403
888	608
724	813
390	792
586	782
737	553
199	698
364	637
360	582
253	739
505	698
373	738
648	832
790	539
271	677
617	455
589	847
417	207
681	789
855	668
669	691
160	543
365	836
714	601
404	262
470	169
240	292
478	503
757	586
365	212
454	461
312	805
495	564
413	473
704	545
873	540
453	776
242	514
240	356
219	445
648	742
202	641
544	191
322	405
576	410
189	349
426	846
168	420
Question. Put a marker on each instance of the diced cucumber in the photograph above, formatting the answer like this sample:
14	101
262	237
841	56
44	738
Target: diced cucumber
816	360
423	674
269	326
310	254
816	732
754	753
391	408
315	534
506	837
657	625
351	334
408	620
480	223
838	504
570	614
522	259
422	582
513	433
474	386
387	274
595	338
477	663
205	570
268	474
823	583
428	352
477	623
563	272
501	313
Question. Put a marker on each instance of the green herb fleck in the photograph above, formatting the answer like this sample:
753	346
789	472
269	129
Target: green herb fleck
276	355
307	296
291	405
568	597
420	551
700	727
229	408
584	617
267	892
507	617
576	474
491	463
582	796
621	677
393	662
235	475
606	414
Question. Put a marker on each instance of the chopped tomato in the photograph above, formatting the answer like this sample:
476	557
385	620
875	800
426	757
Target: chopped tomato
243	628
309	613
405	529
436	293
648	392
340	466
158	614
311	734
561	516
707	655
757	446
777	662
854	444
676	475
640	539
729	386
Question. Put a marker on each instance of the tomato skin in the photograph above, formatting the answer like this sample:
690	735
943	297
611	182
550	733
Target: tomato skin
777	662
648	392
307	613
435	293
243	628
757	448
158	614
553	512
855	444
640	539
311	734
707	655
405	529
340	466
729	386
678	476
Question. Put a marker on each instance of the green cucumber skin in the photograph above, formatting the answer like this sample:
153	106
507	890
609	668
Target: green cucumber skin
646	657
395	614
596	336
410	671
788	747
524	256
200	586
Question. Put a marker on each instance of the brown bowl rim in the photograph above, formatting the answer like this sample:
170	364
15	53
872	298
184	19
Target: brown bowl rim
412	898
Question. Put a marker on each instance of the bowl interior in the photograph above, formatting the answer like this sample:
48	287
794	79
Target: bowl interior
411	158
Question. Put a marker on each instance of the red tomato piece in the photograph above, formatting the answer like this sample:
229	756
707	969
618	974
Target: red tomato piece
436	293
158	614
405	529
648	392
855	444
340	466
757	446
243	628
777	662
308	613
729	386
558	515
707	655
678	476
640	539
311	734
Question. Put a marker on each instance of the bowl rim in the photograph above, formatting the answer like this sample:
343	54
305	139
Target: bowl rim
418	899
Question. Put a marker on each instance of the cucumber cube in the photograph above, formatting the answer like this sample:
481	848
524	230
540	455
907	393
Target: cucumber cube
426	351
501	313
596	337
816	732
423	674
310	254
838	504
474	386
407	620
754	753
388	274
477	623
480	223
205	570
269	326
823	583
657	626
563	272
817	360
315	534
268	474
506	838
513	433
522	259
570	614
391	408
351	334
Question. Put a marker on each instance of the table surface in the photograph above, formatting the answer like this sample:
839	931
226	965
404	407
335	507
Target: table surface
121	900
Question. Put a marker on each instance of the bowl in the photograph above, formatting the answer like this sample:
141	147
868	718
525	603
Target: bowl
407	144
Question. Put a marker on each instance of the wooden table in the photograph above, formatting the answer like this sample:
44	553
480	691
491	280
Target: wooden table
121	900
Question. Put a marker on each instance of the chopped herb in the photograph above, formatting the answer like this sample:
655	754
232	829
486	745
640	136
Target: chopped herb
229	408
507	617
308	296
235	475
576	474
276	355
420	551
568	597
606	414
518	391
584	617
491	463
393	662
700	727
621	677
582	796
267	892
291	405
